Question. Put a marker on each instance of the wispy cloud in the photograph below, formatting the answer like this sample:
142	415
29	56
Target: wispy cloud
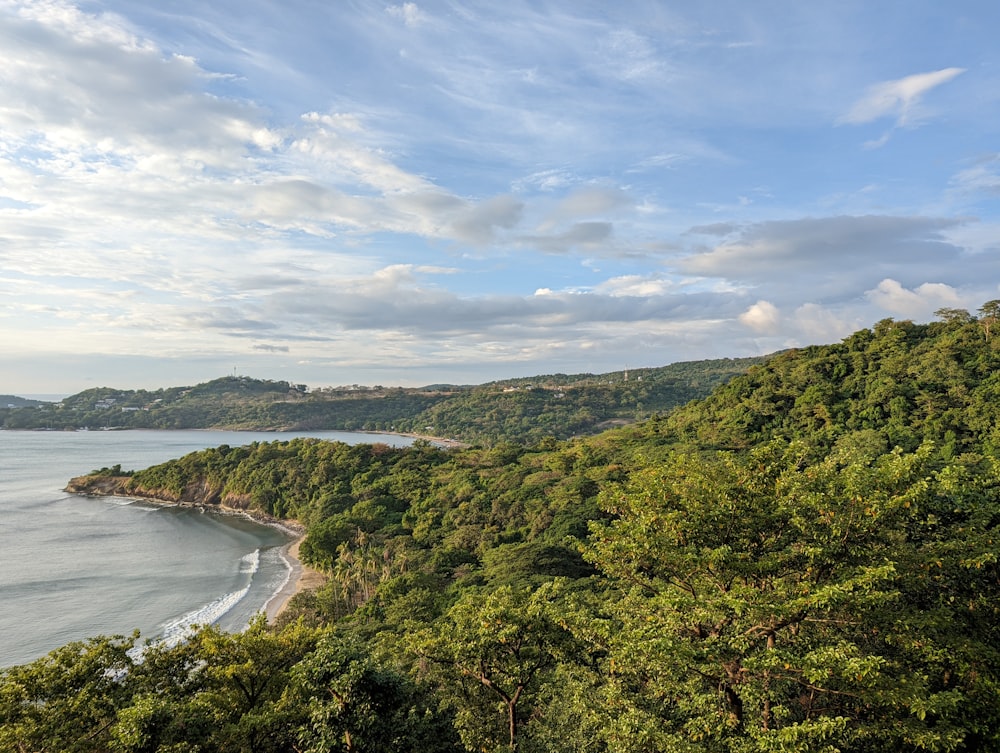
409	13
457	190
981	177
899	99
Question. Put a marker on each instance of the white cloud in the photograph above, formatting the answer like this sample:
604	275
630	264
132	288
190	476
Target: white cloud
814	323
409	13
762	317
667	160
120	139
332	144
981	177
832	256
637	286
899	99
546	180
630	55
921	302
82	92
591	201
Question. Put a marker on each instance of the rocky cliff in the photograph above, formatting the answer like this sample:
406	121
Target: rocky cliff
197	493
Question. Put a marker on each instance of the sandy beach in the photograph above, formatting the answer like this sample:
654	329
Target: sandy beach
301	578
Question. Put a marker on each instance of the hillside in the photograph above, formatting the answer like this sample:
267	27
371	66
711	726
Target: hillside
13	401
805	560
524	410
907	383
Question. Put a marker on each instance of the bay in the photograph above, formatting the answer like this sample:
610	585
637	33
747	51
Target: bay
74	567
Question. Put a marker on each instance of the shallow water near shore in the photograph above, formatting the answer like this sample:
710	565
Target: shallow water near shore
75	567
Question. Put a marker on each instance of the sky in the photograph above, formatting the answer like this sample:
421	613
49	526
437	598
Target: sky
403	194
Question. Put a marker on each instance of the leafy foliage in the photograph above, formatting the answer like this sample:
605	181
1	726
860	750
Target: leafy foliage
805	561
791	597
907	382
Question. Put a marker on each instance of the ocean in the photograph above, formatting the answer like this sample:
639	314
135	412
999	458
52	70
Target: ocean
75	567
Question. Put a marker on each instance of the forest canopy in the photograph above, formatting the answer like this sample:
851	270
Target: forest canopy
803	561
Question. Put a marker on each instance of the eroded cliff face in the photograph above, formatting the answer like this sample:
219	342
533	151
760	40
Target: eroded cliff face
98	486
197	492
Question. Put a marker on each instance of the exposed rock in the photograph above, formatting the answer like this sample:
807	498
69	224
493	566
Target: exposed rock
198	493
98	486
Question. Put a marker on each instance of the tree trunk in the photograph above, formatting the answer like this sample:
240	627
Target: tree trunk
512	725
767	686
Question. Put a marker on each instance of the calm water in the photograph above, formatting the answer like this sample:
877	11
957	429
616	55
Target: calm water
74	567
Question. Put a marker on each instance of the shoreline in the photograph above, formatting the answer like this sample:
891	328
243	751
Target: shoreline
300	578
444	443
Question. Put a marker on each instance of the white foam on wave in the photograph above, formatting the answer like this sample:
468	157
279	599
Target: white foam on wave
288	576
120	501
178	630
250	563
140	505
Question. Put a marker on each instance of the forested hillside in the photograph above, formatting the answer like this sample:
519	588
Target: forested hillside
908	382
8	402
522	410
561	406
804	561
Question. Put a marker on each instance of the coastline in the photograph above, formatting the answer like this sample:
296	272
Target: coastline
444	443
300	578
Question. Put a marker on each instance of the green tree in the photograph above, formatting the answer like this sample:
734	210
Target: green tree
490	657
68	700
954	316
357	706
244	677
216	692
989	313
780	602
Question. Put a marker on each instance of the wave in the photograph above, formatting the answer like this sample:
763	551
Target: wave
250	563
281	587
178	630
118	501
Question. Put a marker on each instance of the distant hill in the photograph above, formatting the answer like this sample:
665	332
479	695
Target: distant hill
521	410
13	401
561	406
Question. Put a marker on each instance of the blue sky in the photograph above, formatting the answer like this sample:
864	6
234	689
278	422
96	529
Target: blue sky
402	194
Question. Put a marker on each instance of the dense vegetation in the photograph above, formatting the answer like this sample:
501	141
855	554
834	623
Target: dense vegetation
803	562
522	410
9	402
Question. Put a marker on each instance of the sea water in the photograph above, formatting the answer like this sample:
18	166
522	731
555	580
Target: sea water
74	567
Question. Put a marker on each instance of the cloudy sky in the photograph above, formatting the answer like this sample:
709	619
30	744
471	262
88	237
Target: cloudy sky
401	194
